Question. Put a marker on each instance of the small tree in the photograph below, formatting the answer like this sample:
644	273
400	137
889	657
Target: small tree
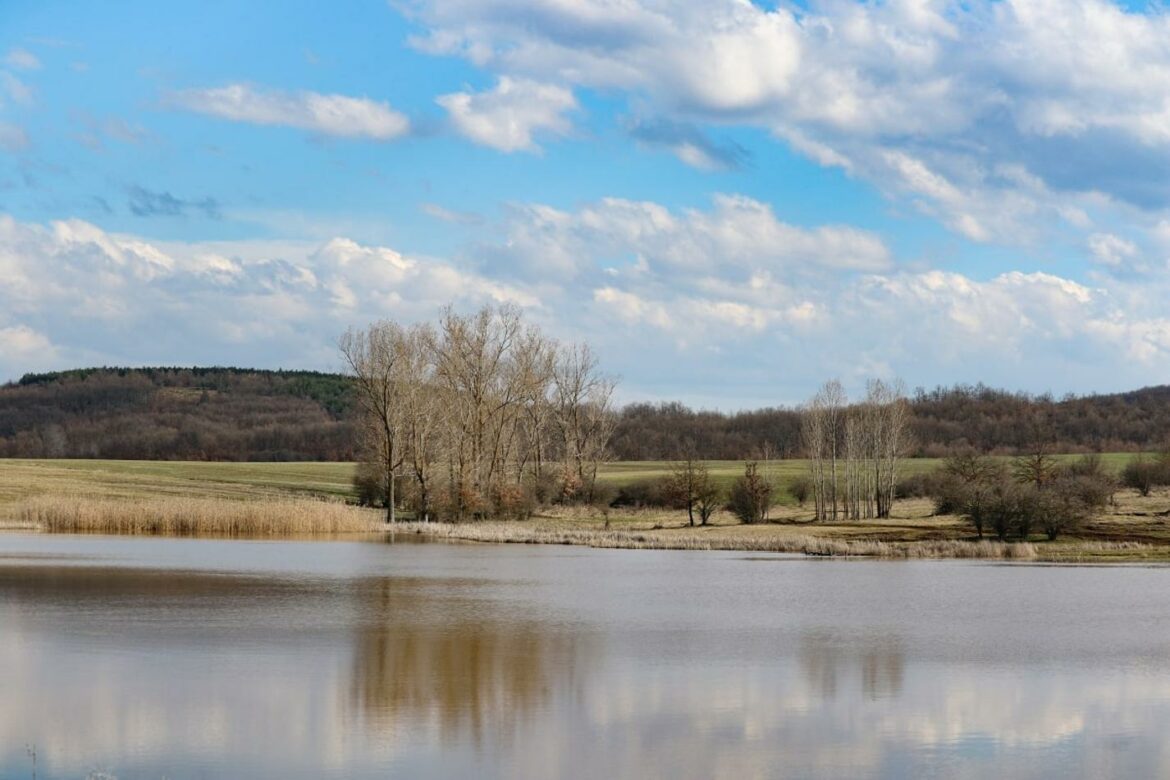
686	478
707	497
751	496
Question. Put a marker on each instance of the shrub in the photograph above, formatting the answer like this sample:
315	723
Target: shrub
951	494
751	496
652	492
1143	475
922	485
512	501
370	484
800	489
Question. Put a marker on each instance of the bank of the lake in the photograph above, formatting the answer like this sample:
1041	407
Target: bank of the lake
251	500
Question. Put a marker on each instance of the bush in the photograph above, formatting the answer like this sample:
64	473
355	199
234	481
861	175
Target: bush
1143	475
370	484
653	492
800	489
512	501
951	494
751	496
922	485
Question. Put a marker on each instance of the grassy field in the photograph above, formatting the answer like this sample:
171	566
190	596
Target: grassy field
43	493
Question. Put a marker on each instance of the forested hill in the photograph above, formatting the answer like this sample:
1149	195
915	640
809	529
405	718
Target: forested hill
177	414
945	420
244	414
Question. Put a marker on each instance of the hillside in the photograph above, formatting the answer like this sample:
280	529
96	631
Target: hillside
244	414
177	414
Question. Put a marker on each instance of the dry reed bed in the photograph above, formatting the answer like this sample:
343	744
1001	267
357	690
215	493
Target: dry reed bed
176	516
639	540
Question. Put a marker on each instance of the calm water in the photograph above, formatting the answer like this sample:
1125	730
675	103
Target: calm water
189	659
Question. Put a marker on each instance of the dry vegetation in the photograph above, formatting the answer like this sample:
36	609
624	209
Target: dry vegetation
193	517
286	499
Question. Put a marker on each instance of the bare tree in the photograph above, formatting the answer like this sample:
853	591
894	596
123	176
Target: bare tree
374	358
423	410
687	479
823	432
582	408
854	450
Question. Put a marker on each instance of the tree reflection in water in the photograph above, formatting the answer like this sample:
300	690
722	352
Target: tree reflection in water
457	666
825	660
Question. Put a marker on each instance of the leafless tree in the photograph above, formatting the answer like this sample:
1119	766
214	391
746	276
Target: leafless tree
374	357
583	413
854	450
474	408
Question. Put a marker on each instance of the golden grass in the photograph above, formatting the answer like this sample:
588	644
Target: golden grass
177	516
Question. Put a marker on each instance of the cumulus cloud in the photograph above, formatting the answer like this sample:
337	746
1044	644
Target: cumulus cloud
507	116
737	234
332	115
998	118
268	303
725	305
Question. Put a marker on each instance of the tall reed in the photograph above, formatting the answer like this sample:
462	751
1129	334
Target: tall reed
178	516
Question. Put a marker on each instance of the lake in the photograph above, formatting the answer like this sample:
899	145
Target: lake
175	658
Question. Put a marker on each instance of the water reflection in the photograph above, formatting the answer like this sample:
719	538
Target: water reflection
877	665
362	661
473	674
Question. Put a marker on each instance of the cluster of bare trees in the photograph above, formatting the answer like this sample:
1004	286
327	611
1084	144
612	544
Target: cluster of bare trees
854	449
478	415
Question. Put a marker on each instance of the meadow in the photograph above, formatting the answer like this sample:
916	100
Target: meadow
276	499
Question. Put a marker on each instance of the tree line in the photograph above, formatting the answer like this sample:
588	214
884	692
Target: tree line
245	414
476	415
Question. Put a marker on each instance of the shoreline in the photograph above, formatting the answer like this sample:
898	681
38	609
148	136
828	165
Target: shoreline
712	538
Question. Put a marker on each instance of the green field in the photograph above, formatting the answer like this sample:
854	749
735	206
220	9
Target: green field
134	478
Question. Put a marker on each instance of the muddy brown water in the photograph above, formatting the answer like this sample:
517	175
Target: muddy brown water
151	658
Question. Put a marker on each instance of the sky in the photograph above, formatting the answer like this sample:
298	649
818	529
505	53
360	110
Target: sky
732	202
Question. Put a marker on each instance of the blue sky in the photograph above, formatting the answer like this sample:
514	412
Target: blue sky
731	201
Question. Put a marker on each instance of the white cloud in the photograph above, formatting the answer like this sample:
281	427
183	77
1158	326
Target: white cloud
22	59
333	115
21	345
728	303
737	233
1111	250
1001	119
262	302
509	115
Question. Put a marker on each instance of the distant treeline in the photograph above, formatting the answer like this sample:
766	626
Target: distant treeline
945	420
244	414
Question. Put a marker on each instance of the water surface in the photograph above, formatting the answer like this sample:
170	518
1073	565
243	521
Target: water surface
151	658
